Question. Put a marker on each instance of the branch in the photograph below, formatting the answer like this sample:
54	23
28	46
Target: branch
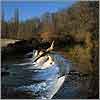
46	52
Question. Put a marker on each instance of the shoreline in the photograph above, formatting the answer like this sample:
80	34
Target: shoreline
5	42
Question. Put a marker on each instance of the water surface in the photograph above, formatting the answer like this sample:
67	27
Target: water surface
29	83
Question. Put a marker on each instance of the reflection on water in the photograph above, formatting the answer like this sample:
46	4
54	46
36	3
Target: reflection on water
41	83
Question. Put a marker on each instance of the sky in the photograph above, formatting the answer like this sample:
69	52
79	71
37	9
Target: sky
30	9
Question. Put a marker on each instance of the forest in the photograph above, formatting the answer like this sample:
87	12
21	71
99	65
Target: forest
74	30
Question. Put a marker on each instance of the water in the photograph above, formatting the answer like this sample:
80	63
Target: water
25	82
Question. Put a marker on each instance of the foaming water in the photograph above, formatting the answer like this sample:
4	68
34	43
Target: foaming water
41	83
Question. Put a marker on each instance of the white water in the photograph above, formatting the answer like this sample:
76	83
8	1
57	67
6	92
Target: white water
43	83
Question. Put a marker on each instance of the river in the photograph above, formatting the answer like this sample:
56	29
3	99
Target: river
22	81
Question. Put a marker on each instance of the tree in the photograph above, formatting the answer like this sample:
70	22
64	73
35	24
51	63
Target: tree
3	25
16	22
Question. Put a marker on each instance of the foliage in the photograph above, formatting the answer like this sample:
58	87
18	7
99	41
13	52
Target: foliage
82	17
75	29
82	57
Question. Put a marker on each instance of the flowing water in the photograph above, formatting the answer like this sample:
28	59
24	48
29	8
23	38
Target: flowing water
23	81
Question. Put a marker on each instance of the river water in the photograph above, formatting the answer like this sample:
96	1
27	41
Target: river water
23	81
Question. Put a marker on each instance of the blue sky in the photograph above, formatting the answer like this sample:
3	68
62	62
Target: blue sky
29	9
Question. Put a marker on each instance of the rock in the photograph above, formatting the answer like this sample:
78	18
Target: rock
4	72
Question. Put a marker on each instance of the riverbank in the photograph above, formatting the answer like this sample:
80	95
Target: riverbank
5	42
